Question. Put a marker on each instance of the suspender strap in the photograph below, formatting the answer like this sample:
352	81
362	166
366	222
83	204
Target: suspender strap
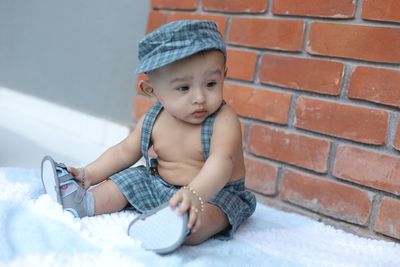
147	128
207	130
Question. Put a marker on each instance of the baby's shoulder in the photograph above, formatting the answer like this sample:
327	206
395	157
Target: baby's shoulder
226	119
226	113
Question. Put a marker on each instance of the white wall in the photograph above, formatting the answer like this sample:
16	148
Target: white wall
77	53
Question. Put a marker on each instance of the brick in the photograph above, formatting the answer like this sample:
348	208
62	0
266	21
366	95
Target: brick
366	125
141	105
320	76
396	143
369	43
218	19
381	10
235	6
378	85
256	103
174	4
241	64
368	168
155	20
300	150
388	218
261	176
315	8
328	197
267	33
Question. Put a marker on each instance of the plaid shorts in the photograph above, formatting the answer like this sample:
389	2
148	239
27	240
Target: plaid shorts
145	192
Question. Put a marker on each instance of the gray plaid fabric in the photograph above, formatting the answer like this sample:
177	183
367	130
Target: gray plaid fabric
177	40
206	132
146	191
143	190
147	128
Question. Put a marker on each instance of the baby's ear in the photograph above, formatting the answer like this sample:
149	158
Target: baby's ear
226	71
146	87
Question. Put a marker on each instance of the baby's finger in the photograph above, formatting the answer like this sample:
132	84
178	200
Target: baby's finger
192	217
185	205
175	199
197	224
74	171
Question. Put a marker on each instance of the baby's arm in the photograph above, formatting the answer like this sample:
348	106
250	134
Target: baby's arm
114	159
226	145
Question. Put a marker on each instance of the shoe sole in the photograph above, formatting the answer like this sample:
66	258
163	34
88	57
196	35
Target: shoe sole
50	179
161	230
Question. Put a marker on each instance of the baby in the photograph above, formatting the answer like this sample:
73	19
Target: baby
196	137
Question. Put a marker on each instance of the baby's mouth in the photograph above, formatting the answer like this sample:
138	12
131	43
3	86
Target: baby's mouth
199	113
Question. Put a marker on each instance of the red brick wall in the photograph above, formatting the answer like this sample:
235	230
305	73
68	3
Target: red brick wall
317	86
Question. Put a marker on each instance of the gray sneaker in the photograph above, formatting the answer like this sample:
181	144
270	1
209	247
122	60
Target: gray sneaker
60	185
160	230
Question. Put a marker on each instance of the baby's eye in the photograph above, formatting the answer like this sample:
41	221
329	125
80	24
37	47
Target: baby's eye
182	88
211	84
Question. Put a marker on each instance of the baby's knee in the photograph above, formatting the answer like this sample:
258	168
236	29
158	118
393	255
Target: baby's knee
196	239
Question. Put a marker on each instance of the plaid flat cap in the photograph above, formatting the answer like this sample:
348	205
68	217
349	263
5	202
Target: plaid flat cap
177	40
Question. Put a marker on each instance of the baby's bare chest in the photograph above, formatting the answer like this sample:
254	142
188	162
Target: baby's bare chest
176	142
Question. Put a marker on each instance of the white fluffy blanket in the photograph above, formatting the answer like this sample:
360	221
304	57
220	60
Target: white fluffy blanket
34	231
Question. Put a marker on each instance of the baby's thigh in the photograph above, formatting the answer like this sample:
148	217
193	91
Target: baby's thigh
213	221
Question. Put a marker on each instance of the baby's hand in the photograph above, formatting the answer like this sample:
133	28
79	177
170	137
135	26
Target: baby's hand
80	175
187	202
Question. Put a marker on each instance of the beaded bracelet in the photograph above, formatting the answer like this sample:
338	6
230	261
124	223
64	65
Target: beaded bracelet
196	195
83	176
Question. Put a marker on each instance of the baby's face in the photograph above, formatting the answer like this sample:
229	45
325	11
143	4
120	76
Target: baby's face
191	89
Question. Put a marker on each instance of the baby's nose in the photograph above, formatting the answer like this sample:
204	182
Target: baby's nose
199	97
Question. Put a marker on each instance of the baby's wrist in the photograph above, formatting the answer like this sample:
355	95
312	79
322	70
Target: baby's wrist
197	197
84	177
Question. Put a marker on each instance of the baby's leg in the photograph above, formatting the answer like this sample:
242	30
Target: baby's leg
213	221
108	198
